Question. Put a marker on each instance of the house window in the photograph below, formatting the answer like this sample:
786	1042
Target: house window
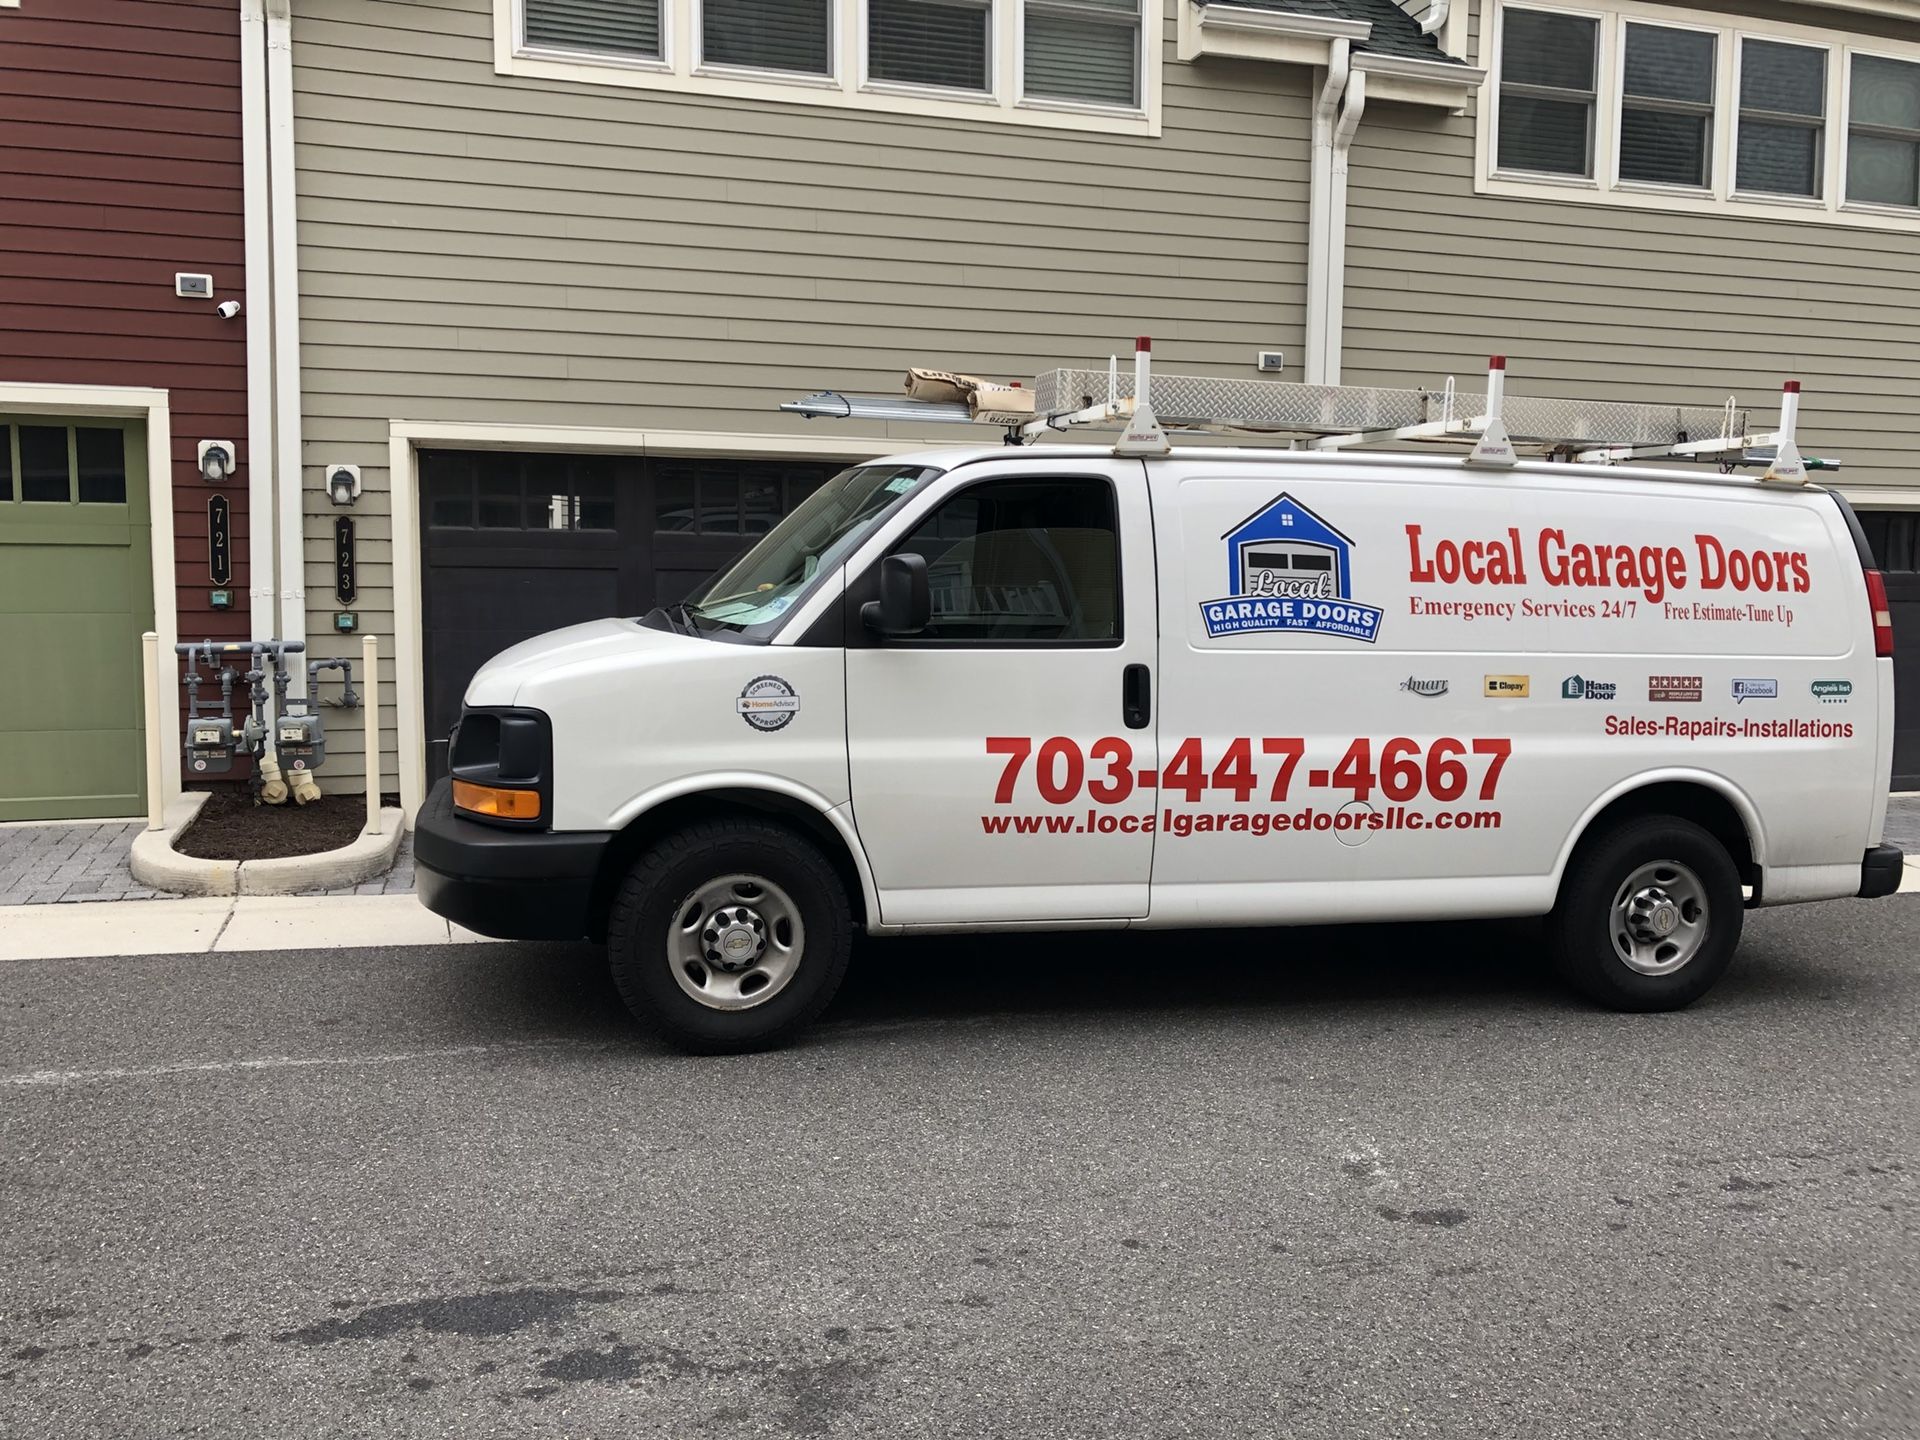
1666	106
1548	79
1082	50
1060	64
1883	132
790	36
1783	111
947	44
623	28
1616	102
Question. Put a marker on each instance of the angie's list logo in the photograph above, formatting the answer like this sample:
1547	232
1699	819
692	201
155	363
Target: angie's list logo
1289	570
1428	688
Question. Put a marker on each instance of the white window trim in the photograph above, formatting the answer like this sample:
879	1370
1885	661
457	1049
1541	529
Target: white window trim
697	39
849	87
1721	199
990	96
1829	142
1077	107
1716	125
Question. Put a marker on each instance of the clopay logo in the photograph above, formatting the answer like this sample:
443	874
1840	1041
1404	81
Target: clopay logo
1289	570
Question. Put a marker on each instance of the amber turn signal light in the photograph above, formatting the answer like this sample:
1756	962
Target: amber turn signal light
494	802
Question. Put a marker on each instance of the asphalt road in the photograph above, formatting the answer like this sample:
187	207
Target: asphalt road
1355	1184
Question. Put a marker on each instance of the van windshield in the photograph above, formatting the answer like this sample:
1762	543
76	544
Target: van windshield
763	584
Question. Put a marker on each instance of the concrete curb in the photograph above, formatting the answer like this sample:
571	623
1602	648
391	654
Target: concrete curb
156	863
366	857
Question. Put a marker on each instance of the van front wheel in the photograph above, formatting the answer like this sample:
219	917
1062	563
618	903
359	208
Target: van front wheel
1649	915
729	935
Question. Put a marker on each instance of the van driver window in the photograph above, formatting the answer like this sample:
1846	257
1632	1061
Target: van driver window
1023	560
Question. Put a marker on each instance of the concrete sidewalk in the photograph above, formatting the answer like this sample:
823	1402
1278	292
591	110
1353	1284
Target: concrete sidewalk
175	926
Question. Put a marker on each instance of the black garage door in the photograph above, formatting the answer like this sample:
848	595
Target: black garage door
1895	538
520	543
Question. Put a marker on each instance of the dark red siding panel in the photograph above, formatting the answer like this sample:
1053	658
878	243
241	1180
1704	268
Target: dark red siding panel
120	162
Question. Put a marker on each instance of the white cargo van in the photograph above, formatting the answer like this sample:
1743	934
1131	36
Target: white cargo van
996	689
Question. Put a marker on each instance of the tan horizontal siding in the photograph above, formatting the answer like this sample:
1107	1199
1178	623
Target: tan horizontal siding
1617	301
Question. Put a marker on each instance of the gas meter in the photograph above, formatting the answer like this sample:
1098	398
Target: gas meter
300	739
210	744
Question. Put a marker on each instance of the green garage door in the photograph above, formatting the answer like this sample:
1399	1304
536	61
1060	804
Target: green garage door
76	591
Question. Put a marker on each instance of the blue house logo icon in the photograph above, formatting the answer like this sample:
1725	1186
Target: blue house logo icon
1287	569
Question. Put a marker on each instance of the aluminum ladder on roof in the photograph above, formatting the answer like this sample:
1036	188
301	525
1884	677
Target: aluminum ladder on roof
1334	417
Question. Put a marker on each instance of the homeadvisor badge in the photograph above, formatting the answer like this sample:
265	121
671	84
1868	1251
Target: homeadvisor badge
1289	570
768	703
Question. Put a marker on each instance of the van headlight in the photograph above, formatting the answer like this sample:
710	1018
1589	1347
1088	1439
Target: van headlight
501	761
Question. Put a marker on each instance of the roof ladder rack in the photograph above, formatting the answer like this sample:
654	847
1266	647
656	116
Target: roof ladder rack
1498	428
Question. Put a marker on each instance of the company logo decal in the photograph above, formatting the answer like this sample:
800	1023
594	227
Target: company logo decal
1674	688
1832	692
768	703
1509	687
1289	570
1756	690
1576	688
1428	688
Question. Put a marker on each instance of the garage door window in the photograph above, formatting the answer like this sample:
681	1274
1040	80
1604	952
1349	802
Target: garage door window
517	492
65	464
728	498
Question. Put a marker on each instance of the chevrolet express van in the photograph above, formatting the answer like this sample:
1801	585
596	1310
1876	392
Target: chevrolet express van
1013	689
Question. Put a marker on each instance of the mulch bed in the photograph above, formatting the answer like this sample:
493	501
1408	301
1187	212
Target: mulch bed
231	827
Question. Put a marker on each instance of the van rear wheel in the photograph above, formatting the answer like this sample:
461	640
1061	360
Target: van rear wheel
1649	915
729	935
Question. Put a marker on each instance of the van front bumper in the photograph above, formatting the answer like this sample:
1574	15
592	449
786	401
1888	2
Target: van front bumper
1880	871
511	884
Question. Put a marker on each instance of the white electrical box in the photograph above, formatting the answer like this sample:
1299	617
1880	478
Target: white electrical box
1271	361
193	287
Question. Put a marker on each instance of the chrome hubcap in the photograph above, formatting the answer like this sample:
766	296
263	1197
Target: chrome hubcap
735	942
1659	918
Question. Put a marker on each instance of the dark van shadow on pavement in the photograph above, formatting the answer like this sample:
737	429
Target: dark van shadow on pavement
1484	965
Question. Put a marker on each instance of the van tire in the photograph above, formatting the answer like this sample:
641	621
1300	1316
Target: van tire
1599	920
653	929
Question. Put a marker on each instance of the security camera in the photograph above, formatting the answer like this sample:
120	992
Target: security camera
227	309
216	460
343	484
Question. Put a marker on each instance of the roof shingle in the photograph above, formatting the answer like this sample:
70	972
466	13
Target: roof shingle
1394	31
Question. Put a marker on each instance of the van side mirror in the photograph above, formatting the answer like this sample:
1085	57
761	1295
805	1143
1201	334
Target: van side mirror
905	605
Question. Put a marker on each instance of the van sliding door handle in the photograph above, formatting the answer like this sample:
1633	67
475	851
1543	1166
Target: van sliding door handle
1136	697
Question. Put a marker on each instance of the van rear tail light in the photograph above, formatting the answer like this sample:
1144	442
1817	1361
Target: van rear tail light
1882	614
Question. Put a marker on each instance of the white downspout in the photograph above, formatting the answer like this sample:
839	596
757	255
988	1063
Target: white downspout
1326	109
259	238
1352	108
1436	17
288	468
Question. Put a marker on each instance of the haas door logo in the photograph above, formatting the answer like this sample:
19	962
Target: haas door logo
1289	570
